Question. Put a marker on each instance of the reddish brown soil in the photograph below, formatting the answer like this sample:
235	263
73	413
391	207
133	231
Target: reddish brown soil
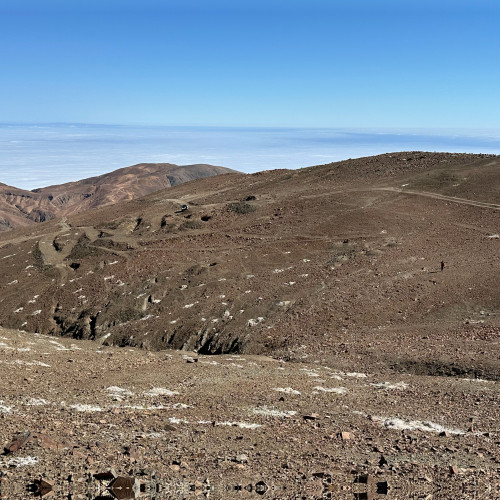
331	271
19	207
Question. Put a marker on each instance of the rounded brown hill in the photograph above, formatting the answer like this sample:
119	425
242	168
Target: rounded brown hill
19	207
336	262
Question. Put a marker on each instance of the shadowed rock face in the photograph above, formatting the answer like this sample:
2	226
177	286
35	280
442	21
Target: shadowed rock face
336	261
19	207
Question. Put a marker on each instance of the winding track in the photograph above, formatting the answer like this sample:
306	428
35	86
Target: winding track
453	199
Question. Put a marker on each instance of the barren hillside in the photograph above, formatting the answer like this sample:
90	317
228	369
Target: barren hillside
339	260
349	365
19	207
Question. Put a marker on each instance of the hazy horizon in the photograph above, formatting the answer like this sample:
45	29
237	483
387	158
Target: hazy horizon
38	155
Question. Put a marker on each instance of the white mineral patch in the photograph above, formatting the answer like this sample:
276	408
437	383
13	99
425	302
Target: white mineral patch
84	408
412	425
59	346
160	391
37	402
35	313
286	390
143	408
480	380
22	461
4	408
19	309
336	390
242	425
391	386
180	406
175	420
118	391
254	322
276	271
154	435
272	412
13	282
25	363
187	306
355	375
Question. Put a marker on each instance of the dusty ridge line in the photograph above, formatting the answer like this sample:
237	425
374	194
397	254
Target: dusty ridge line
453	199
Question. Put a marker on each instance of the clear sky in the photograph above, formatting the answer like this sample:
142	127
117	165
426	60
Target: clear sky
304	63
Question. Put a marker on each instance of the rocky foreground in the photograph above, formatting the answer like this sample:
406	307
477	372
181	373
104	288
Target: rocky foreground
83	420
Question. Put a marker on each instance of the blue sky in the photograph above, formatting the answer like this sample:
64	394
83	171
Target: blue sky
308	63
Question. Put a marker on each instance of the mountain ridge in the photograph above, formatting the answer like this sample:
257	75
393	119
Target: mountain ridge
20	207
336	261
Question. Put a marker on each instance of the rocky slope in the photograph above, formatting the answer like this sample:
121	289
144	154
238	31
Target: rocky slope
19	207
338	260
79	420
349	365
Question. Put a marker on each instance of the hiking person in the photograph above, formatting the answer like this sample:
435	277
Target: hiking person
442	265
